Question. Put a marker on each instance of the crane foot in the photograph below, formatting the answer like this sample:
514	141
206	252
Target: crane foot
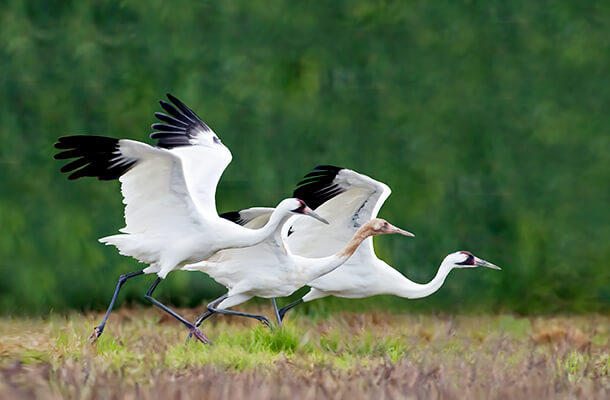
264	320
199	335
97	332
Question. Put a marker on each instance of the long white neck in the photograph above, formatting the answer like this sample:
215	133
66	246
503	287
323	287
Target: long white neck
313	268
246	237
403	287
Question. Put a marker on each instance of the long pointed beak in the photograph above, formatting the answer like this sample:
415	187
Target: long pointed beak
394	229
483	263
311	213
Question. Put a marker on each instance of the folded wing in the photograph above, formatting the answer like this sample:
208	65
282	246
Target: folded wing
253	218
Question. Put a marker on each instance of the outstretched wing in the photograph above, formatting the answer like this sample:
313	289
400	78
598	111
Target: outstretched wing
204	157
152	180
346	199
174	183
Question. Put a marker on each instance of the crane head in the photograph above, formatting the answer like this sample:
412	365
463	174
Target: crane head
465	259
380	226
301	208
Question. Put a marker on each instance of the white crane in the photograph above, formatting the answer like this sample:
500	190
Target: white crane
169	195
347	200
269	269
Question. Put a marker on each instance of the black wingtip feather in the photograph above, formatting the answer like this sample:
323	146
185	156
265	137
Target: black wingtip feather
233	216
317	186
179	127
170	120
94	156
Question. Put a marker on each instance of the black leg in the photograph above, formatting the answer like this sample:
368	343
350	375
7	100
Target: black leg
277	313
203	317
261	318
196	332
97	331
283	310
209	313
206	315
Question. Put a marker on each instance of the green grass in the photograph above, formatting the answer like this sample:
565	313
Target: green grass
348	354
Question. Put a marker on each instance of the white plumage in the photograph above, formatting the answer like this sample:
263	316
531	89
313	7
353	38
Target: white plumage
169	195
165	224
347	200
269	269
364	274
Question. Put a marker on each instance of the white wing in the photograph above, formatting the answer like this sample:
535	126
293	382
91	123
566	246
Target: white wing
253	218
152	179
155	192
204	158
346	199
173	184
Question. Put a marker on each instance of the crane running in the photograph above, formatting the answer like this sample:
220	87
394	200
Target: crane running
169	195
269	269
348	200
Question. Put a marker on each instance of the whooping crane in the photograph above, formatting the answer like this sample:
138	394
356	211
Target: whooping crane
169	195
347	200
269	269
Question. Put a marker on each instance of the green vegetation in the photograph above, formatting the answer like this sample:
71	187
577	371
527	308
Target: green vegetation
350	354
489	120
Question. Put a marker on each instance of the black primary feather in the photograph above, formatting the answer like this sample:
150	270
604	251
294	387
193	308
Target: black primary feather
233	216
95	156
317	186
179	127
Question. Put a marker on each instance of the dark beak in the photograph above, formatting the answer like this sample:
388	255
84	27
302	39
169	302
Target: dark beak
483	263
311	213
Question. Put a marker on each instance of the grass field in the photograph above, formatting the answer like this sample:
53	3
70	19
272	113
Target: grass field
378	355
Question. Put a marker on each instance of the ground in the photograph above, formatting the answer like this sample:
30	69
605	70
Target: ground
377	355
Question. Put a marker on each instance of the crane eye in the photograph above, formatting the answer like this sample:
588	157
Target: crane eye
301	206
469	259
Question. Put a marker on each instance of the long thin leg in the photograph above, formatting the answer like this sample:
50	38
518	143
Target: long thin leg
203	317
283	310
213	310
261	318
277	313
196	332
206	315
209	313
97	331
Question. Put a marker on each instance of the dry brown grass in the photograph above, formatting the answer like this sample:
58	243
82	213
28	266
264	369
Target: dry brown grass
560	336
345	356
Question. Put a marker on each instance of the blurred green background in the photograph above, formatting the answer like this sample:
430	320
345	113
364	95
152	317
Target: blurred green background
489	121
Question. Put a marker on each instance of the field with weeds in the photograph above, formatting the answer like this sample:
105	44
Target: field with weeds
343	355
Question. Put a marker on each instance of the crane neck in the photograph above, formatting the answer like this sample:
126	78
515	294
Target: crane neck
247	237
316	267
411	290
